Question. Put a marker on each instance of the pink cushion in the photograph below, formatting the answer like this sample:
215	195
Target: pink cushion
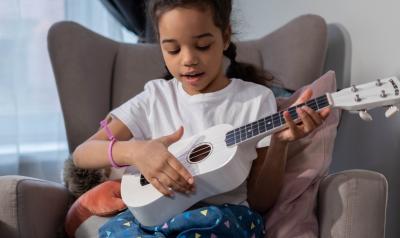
308	160
102	200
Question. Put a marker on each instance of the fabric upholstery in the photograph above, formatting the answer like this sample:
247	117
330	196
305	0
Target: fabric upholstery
352	204
90	227
294	215
295	53
8	209
83	65
135	65
32	207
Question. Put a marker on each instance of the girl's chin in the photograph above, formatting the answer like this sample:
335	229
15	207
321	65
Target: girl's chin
192	88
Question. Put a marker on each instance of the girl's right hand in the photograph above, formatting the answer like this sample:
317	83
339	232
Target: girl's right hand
161	168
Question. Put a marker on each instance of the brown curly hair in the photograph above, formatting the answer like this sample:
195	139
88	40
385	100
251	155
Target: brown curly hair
221	10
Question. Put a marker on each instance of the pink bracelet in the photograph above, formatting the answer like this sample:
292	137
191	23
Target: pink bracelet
104	124
112	139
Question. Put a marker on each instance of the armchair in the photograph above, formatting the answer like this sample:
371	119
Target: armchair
83	60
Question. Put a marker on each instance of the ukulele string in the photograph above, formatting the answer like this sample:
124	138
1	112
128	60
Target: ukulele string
202	150
309	103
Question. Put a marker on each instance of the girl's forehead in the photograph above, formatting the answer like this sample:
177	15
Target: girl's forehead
186	22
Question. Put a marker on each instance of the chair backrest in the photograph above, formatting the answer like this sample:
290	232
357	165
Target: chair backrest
95	74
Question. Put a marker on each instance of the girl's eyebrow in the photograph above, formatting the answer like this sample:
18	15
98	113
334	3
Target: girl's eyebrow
196	37
204	35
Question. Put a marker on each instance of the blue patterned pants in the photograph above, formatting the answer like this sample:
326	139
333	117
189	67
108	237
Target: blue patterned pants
212	221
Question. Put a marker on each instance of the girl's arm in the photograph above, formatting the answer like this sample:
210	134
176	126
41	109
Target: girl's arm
151	157
93	153
266	175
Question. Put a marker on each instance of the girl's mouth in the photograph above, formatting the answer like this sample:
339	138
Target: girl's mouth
193	78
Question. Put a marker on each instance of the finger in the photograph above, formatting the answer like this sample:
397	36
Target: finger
325	112
308	124
170	182
172	138
160	187
289	121
182	171
316	117
185	178
179	183
306	95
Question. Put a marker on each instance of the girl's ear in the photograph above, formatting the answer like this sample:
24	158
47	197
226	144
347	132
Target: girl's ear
227	37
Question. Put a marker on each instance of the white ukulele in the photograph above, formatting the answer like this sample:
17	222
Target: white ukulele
220	158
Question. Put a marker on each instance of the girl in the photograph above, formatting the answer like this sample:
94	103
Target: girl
194	36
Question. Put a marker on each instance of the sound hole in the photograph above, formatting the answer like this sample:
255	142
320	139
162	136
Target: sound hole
199	153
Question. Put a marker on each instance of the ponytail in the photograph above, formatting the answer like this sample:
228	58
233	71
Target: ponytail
244	71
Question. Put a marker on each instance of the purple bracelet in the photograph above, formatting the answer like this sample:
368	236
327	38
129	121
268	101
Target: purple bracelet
111	137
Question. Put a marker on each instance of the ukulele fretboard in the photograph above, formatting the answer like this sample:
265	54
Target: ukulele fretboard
266	124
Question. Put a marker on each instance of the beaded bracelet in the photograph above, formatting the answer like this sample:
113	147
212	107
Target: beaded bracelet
111	137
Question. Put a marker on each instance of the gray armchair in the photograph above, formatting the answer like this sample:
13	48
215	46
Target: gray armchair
351	203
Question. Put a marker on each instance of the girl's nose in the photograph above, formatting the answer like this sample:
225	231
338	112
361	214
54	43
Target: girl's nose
190	58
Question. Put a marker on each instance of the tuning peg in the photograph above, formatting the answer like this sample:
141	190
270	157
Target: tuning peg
365	115
391	111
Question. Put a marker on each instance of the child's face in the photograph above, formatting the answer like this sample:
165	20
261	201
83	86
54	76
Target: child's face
193	45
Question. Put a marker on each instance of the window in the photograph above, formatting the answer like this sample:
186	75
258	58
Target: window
32	133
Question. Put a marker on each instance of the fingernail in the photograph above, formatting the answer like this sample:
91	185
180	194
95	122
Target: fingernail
190	181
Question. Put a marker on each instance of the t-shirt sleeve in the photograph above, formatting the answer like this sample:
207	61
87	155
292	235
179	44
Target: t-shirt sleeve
268	107
134	114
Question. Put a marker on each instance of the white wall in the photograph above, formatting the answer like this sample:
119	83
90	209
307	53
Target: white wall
374	28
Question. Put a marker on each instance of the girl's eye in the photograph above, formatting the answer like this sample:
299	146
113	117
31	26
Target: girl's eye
173	52
203	47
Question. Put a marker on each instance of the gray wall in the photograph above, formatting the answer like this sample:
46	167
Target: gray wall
374	29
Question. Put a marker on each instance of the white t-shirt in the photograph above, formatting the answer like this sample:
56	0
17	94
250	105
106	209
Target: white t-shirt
164	106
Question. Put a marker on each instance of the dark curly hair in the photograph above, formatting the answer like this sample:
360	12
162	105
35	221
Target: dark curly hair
221	10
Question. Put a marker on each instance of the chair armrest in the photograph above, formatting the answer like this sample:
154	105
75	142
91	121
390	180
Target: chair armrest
32	207
352	204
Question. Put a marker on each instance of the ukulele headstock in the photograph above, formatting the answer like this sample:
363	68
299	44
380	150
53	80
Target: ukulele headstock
382	92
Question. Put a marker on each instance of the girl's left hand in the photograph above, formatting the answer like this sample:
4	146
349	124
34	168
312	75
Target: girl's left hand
310	120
